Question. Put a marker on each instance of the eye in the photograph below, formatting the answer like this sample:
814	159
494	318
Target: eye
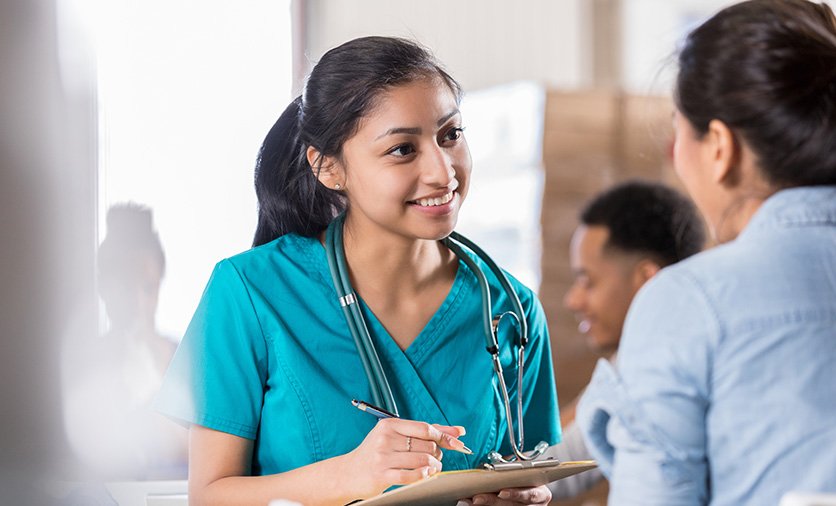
402	150
453	134
583	281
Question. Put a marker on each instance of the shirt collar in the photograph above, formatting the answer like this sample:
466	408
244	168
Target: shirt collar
806	205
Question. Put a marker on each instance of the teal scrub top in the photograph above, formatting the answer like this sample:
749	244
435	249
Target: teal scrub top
268	357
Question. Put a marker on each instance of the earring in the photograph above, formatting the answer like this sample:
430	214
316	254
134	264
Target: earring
337	186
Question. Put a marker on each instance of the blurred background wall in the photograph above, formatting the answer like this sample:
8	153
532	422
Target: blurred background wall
47	239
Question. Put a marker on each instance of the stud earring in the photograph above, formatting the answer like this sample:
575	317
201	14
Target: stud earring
337	186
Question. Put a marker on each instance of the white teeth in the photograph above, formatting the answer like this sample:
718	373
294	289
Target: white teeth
437	201
584	326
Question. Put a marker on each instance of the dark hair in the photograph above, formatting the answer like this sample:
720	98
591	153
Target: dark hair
341	89
130	238
767	69
647	218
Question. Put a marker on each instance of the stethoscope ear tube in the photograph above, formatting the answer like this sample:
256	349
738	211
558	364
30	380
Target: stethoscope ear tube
335	253
518	443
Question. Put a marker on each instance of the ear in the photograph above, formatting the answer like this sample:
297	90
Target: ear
723	152
643	271
326	168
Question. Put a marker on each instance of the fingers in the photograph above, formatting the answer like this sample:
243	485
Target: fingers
425	431
405	468
453	430
422	446
405	476
516	496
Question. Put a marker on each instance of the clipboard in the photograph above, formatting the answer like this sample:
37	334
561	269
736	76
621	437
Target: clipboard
447	487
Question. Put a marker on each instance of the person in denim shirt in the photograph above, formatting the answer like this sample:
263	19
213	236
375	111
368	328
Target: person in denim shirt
724	390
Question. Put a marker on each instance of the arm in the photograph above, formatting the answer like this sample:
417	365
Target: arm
573	448
219	466
645	422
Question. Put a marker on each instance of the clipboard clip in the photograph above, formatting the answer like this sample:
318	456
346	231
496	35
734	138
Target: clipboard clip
521	464
496	462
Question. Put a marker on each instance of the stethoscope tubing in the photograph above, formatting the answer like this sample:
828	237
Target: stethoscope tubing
381	391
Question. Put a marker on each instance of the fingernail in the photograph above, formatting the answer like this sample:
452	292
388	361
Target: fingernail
504	494
462	430
433	470
479	500
425	471
466	450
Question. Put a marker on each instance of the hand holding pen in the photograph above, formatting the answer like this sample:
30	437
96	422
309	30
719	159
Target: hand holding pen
450	437
398	451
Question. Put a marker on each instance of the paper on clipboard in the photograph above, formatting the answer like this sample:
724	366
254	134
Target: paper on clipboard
448	487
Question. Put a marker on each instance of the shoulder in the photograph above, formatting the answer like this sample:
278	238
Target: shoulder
285	249
288	254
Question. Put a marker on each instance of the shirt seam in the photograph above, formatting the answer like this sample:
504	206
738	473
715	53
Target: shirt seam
250	300
719	328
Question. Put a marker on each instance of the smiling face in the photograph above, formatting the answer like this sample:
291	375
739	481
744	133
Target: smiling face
605	283
406	170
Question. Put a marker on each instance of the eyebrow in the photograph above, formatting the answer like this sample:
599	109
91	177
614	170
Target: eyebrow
416	130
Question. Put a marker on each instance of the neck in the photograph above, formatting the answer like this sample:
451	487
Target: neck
136	328
392	264
737	215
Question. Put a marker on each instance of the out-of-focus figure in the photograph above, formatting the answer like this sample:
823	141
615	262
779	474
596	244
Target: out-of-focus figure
111	379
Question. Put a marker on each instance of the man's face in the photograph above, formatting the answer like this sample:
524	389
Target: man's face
606	281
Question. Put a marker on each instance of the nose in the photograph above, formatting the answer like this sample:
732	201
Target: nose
573	300
438	168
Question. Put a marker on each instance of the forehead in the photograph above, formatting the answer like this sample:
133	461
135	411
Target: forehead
410	104
589	248
588	241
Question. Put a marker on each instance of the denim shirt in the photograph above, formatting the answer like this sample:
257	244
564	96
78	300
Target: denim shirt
724	391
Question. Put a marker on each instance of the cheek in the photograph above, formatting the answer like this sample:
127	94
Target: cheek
682	162
462	164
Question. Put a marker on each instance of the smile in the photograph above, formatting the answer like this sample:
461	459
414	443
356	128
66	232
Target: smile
433	202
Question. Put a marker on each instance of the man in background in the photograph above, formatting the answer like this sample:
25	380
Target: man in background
627	234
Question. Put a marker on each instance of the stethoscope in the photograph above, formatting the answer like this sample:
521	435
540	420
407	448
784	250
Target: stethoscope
380	391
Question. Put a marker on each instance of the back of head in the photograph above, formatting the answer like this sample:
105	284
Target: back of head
342	88
130	239
767	69
648	219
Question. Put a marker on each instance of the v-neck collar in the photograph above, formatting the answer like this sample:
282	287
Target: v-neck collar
434	327
403	367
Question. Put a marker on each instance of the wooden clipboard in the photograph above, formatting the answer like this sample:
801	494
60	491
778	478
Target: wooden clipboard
446	488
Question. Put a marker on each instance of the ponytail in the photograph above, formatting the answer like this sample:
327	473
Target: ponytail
290	198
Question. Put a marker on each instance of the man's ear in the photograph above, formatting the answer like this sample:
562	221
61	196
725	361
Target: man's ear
723	152
326	168
643	271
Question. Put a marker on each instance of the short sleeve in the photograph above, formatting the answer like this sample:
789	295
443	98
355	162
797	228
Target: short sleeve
218	374
542	413
645	419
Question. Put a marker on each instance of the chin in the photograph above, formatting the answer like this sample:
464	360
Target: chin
437	231
601	345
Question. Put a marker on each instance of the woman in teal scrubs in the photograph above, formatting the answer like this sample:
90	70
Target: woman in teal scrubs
267	370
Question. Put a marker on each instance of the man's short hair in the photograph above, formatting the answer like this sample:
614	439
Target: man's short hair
647	218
